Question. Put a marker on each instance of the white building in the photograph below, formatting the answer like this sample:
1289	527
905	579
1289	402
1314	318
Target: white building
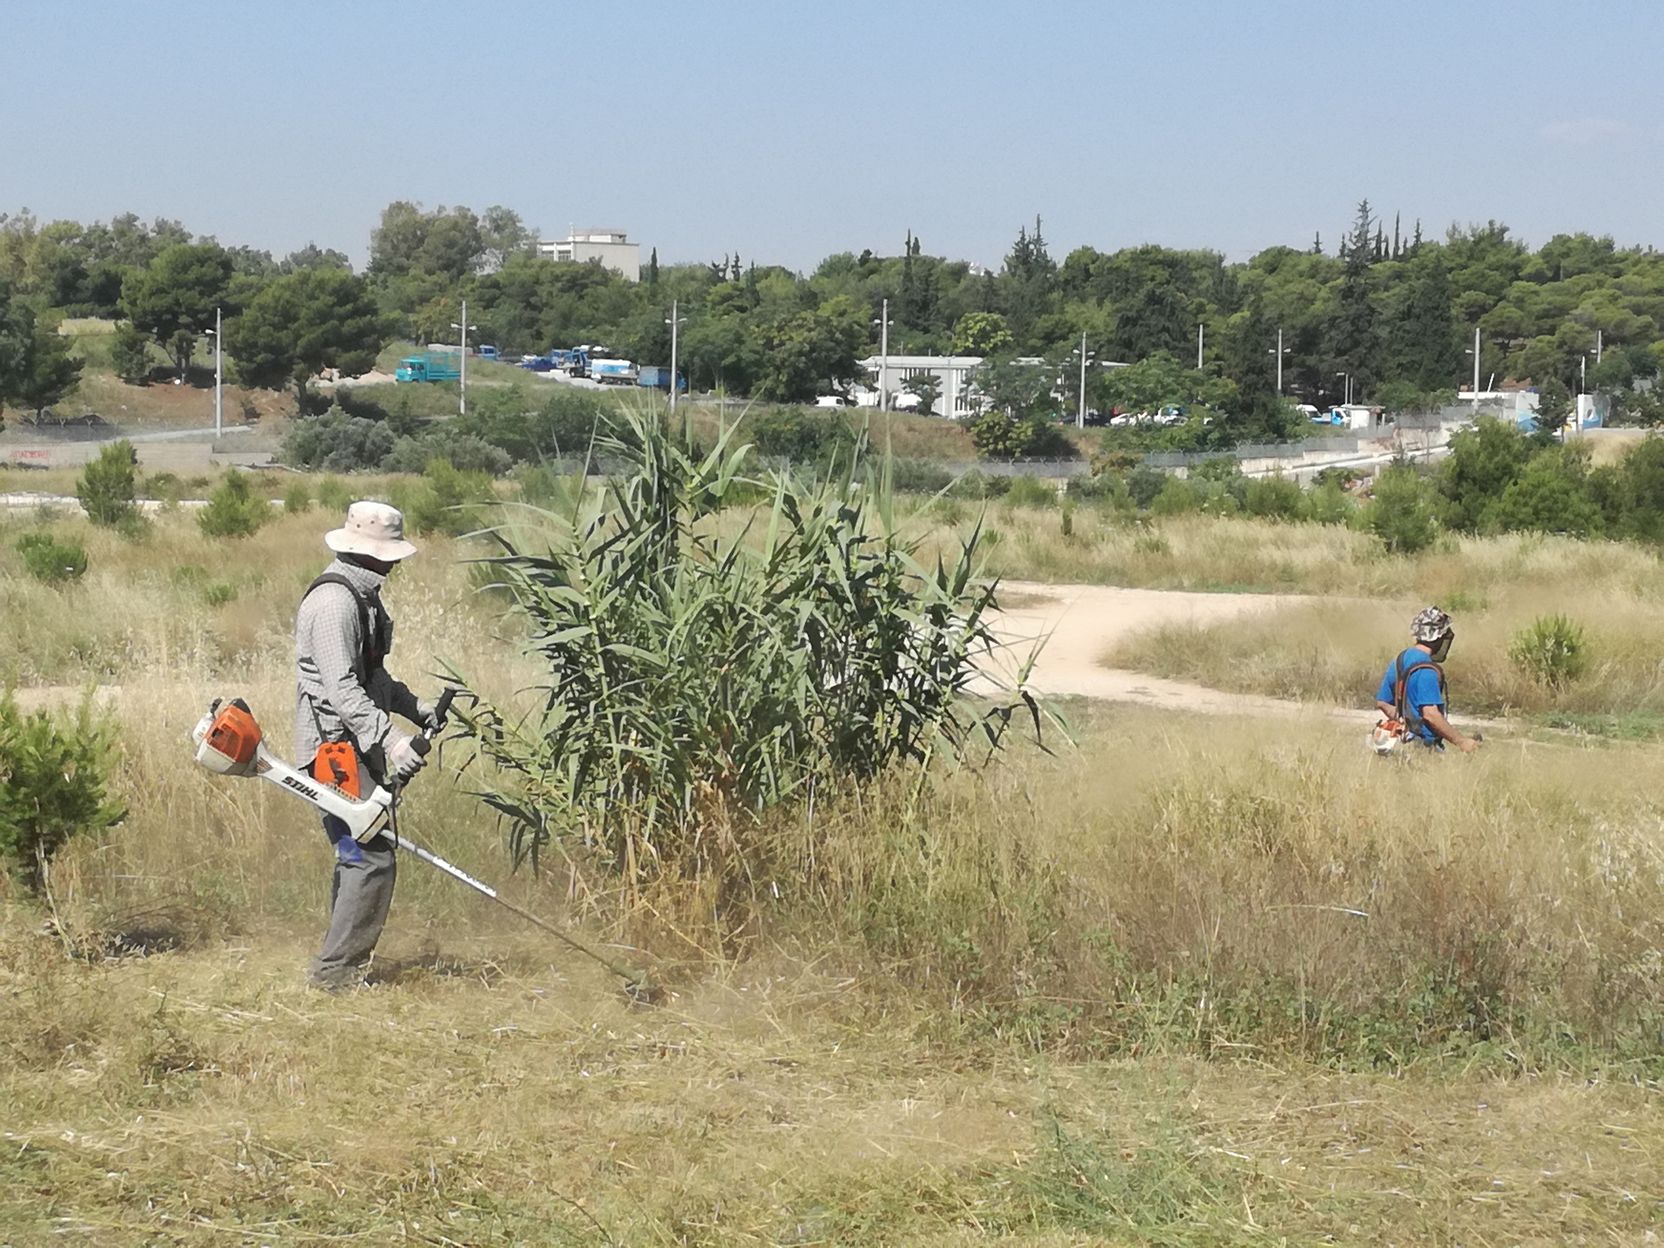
952	373
611	247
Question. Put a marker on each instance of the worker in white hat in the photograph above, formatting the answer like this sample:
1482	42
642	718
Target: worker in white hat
344	732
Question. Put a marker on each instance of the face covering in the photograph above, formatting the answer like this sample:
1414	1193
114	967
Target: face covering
1441	648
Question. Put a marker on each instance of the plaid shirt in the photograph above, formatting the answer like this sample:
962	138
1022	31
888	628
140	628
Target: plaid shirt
331	704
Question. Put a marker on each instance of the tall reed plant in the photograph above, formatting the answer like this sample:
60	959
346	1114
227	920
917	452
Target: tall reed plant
696	676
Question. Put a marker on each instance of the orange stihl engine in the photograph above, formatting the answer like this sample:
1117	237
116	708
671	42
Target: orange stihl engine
229	743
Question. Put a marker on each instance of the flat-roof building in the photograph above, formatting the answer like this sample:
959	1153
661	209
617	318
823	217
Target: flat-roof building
612	248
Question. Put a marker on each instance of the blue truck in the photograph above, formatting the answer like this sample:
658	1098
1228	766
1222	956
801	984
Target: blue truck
430	366
656	377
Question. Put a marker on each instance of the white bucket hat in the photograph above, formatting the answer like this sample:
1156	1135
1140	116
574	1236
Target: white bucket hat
372	529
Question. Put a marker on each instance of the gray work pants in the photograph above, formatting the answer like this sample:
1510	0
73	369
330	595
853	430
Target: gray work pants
359	897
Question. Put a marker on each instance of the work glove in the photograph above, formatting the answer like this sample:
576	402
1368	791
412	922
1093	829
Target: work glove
427	714
403	762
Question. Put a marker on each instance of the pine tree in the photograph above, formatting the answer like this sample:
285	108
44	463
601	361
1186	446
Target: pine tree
1317	244
1354	342
653	269
1397	243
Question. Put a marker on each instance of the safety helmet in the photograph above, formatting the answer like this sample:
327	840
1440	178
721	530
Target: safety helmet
1430	624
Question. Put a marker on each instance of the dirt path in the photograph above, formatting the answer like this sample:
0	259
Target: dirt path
1083	623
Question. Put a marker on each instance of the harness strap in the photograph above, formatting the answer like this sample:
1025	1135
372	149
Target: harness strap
371	653
1409	715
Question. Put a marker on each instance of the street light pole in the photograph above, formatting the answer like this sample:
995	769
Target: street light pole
1080	414
462	376
1279	352
884	357
1475	354
675	323
219	356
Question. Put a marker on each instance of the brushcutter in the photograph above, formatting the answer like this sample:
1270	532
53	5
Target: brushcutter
229	742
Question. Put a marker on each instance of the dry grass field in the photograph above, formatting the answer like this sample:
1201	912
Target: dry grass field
1188	980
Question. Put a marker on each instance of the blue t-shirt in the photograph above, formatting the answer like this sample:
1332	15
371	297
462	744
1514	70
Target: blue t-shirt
1421	689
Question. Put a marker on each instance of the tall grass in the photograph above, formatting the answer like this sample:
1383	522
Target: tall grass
1335	652
1229	553
1176	883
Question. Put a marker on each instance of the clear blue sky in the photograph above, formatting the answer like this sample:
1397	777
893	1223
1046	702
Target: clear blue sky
788	129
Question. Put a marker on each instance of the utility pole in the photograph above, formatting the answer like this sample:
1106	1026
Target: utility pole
219	356
1080	415
675	322
1201	331
462	376
1280	351
1476	366
884	357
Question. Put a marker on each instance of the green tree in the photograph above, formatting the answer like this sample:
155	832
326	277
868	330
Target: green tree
981	333
174	298
130	354
1355	344
1551	496
17	328
928	390
56	771
1554	406
107	489
1421	346
808	350
1401	513
51	371
1483	462
303	323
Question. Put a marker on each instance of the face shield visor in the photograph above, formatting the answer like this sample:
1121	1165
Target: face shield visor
1441	647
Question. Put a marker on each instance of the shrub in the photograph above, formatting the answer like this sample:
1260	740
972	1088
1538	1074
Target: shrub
564	426
445	500
165	487
233	509
691	682
997	435
977	484
52	784
1551	650
107	488
544	486
1329	504
1144	483
800	435
218	593
337	442
465	452
297	499
1027	491
1401	514
919	476
1274	498
1107	491
335	494
47	559
1177	496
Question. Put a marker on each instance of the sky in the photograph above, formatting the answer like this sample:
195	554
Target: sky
788	130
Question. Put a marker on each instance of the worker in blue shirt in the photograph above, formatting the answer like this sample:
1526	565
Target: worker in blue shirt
1411	698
